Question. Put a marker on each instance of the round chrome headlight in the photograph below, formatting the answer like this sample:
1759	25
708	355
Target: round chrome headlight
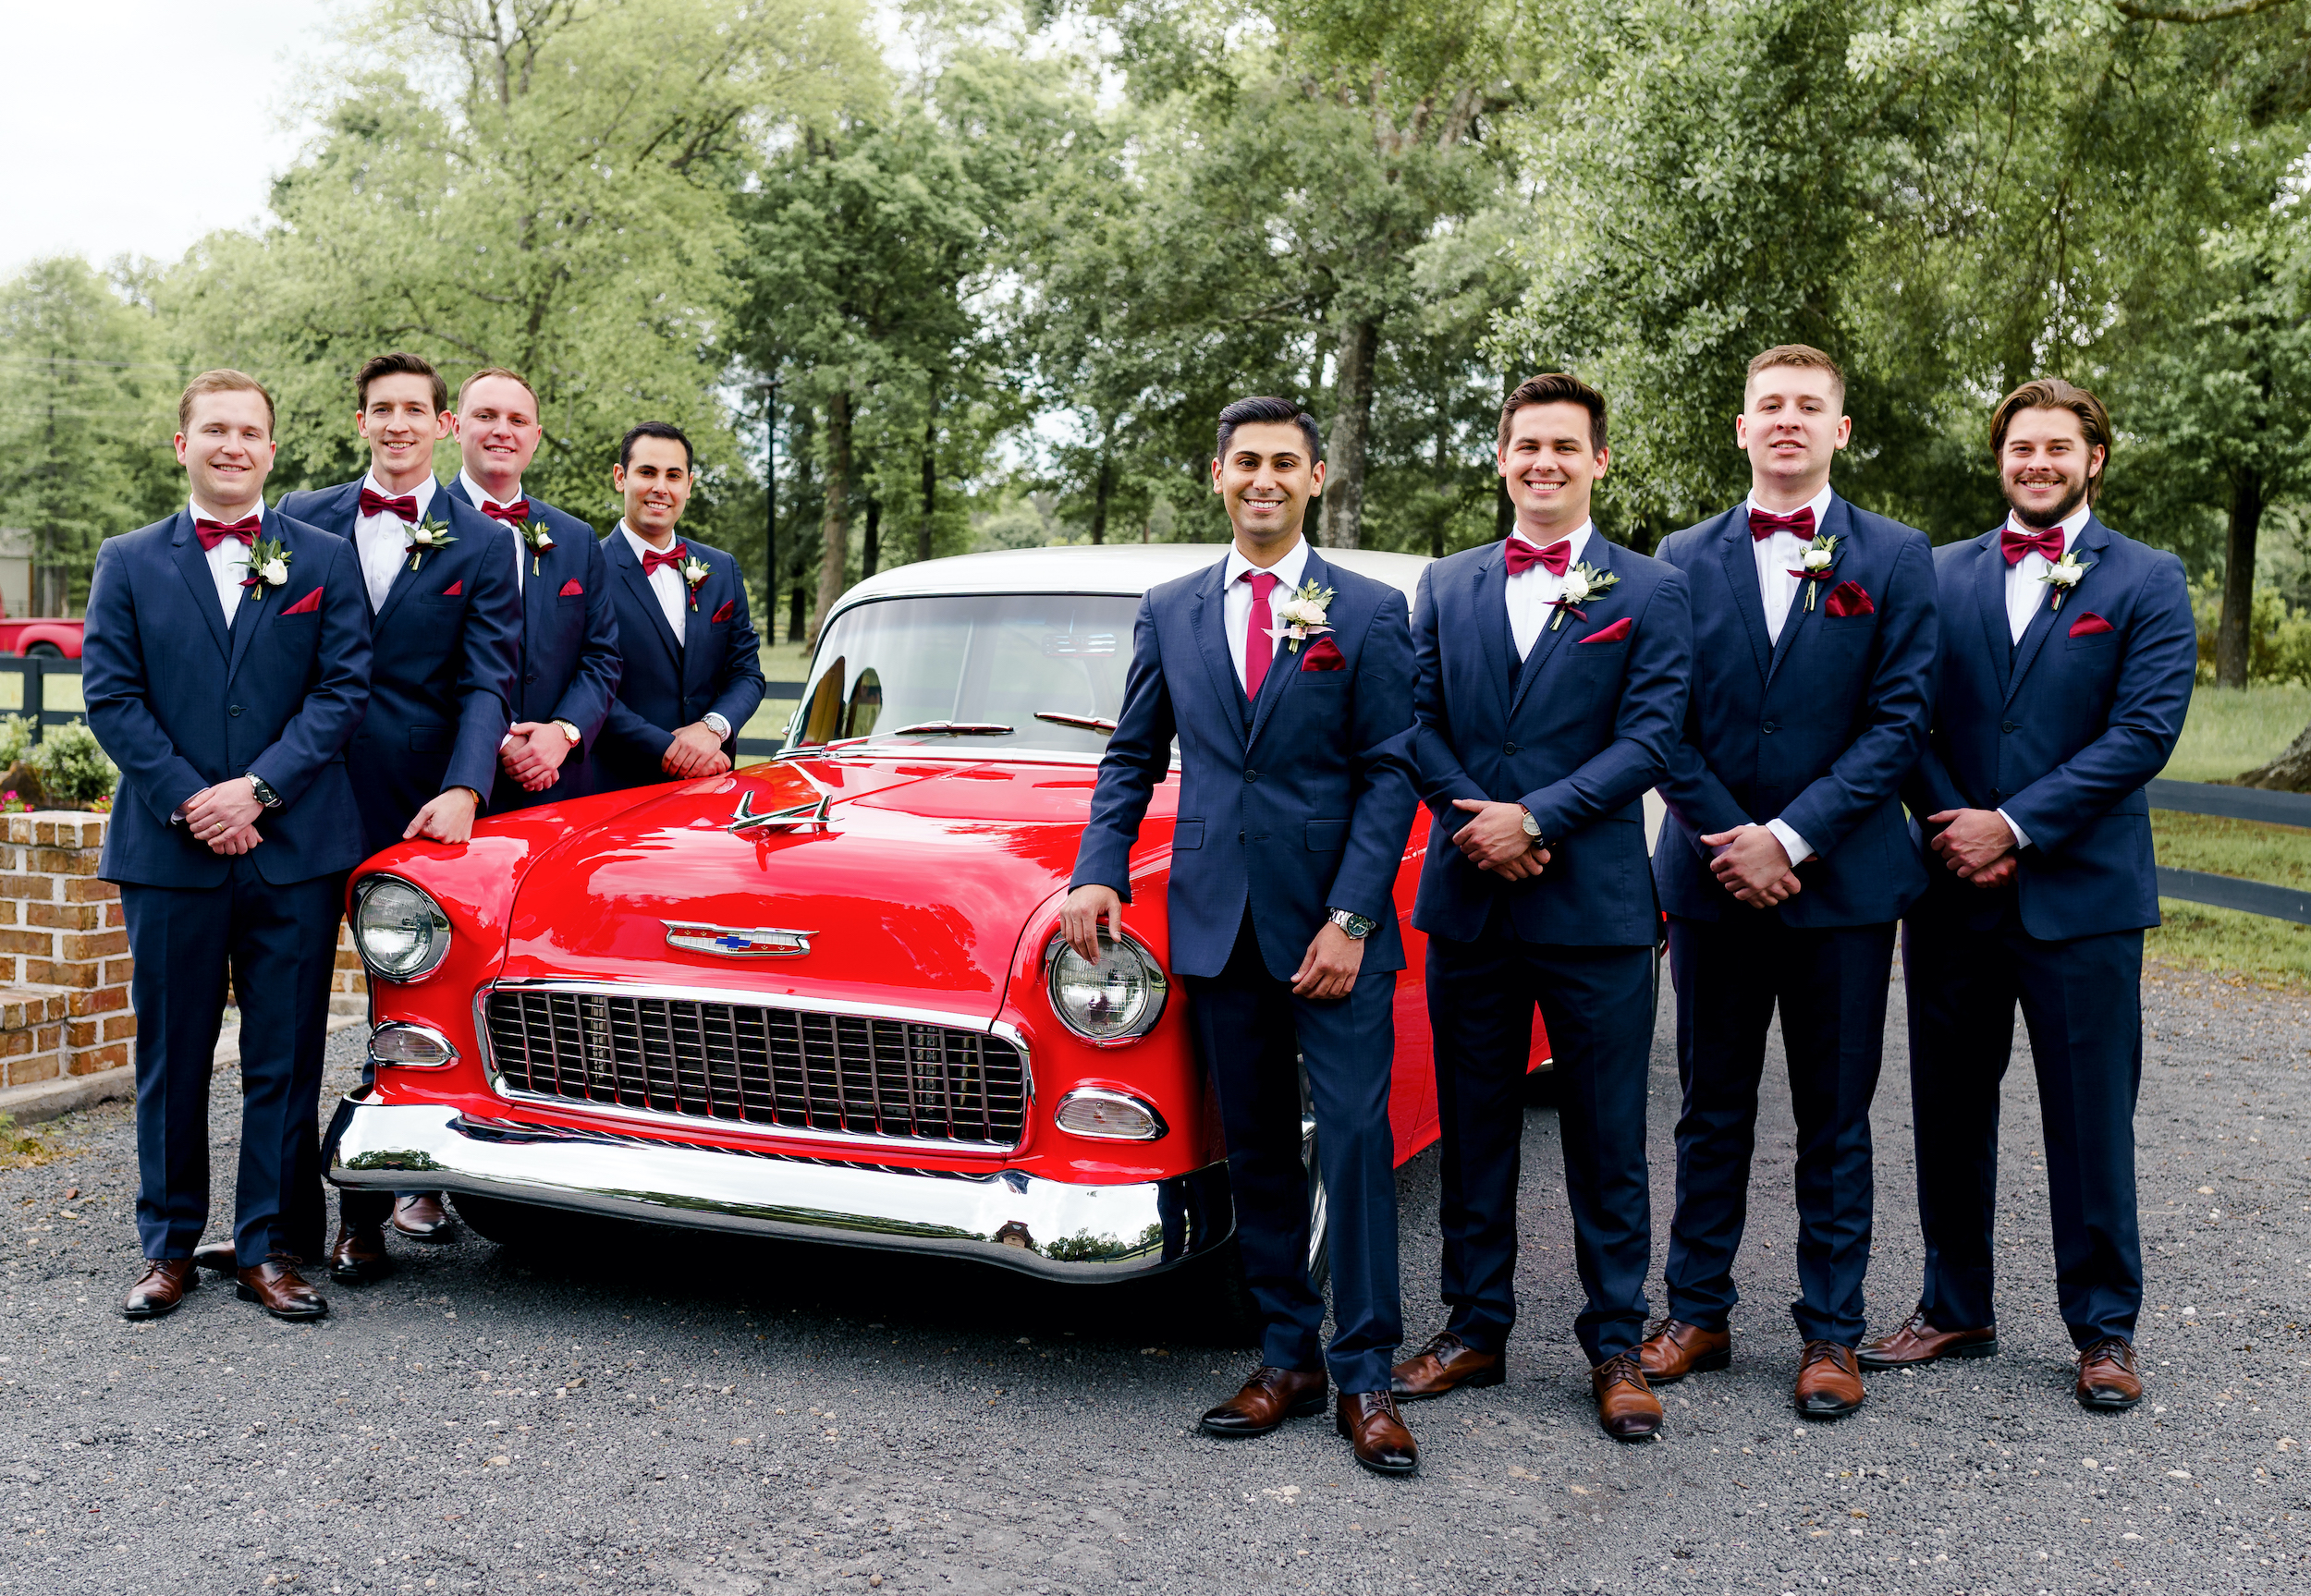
400	932
1119	998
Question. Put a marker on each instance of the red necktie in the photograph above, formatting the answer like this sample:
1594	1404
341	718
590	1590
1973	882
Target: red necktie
1763	524
652	558
513	514
375	503
1523	556
2014	544
1259	649
212	533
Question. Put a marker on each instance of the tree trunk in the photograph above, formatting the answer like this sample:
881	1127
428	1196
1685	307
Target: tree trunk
1343	523
1103	490
835	528
930	473
2290	772
870	549
2232	637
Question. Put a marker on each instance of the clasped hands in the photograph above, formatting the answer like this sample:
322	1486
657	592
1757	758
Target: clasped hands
1496	840
1976	843
1327	970
223	817
695	751
1752	864
533	753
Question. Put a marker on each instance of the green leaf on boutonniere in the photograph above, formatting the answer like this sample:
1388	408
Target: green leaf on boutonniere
1584	582
540	539
2065	573
427	536
267	566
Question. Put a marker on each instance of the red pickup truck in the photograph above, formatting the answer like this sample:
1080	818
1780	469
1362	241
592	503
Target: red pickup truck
42	638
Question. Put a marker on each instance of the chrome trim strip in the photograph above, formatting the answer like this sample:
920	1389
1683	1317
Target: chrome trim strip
1039	1226
749	996
1108	1094
448	1047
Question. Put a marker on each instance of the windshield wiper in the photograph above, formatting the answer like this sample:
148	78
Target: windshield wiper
952	729
1082	723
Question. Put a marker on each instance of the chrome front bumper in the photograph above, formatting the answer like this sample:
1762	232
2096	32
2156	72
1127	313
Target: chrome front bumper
1046	1227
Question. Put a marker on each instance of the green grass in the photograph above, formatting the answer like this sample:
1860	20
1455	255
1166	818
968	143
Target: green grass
2229	730
2269	952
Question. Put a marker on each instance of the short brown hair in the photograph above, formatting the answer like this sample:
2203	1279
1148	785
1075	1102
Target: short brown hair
1800	355
397	364
496	372
224	380
1556	389
2054	393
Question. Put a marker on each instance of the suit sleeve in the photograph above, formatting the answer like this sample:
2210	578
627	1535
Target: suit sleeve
338	696
1647	722
1381	760
1138	757
1900	709
2152	695
585	702
1703	803
1442	776
112	680
1931	788
491	664
741	692
624	727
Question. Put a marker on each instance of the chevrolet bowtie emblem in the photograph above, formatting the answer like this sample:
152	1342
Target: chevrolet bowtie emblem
731	942
802	814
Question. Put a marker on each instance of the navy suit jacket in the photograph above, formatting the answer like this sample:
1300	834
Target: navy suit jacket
1818	729
1577	736
570	658
448	643
670	683
180	704
1310	789
2061	730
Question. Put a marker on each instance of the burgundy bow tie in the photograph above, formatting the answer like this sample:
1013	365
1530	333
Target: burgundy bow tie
2014	544
1522	556
212	533
652	558
514	513
1763	524
375	503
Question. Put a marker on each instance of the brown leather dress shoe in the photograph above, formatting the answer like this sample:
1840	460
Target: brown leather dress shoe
421	1216
217	1258
275	1286
1269	1397
1672	1349
160	1288
1369	1420
359	1256
1447	1362
1626	1408
2108	1381
1829	1380
1918	1342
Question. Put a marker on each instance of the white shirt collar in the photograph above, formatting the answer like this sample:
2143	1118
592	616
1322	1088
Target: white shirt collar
474	491
423	492
1578	542
1820	506
1286	570
641	544
2071	524
202	513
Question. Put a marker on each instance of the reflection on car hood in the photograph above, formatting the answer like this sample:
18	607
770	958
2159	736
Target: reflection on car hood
915	891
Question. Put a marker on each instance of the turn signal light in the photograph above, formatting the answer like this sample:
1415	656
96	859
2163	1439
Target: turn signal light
1112	1116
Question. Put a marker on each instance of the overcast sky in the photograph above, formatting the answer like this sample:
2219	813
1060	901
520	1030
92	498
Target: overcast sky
141	125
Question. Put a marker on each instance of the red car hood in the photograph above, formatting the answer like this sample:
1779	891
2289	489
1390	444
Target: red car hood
915	894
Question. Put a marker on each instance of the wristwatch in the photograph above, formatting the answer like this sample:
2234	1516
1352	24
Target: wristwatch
1355	925
262	791
571	732
1532	826
716	724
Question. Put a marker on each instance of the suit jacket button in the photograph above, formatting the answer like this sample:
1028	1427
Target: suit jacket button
2006	725
235	710
1252	775
1771	727
1507	747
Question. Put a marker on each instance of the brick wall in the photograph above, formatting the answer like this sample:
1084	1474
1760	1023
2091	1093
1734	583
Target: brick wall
63	951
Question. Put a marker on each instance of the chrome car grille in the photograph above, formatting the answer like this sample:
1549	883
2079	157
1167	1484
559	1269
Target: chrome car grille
831	1072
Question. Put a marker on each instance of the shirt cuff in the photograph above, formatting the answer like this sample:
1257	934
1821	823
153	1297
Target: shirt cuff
2021	837
716	724
1794	845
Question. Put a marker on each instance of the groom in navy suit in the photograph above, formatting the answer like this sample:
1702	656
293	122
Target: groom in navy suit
1784	862
1553	672
226	665
1288	683
2068	654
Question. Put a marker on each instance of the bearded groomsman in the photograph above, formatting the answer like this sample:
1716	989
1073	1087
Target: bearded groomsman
226	665
1785	862
447	620
570	659
693	670
1296	773
1552	684
2068	654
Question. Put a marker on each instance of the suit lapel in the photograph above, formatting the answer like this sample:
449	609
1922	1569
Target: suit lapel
1208	620
1740	575
1488	590
255	605
406	580
1597	556
1989	595
1286	663
2093	538
1838	522
193	564
621	553
696	656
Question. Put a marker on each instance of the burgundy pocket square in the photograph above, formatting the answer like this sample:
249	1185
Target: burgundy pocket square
2088	624
1848	599
453	588
1616	633
1324	654
729	608
311	604
572	588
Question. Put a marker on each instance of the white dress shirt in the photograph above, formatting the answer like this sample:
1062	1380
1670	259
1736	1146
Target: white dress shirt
1532	590
382	541
229	562
2024	591
481	501
1777	589
1236	598
666	581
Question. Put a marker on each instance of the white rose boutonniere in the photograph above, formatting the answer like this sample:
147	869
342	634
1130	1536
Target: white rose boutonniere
1584	582
539	539
694	573
267	566
2065	574
1817	565
1301	616
425	537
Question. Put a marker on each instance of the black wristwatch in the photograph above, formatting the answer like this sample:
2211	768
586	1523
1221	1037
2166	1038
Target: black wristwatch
263	789
1355	925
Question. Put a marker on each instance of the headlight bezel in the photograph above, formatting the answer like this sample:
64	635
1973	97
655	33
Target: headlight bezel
1157	985
438	930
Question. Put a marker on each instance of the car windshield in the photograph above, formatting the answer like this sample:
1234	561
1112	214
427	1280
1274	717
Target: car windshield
1040	671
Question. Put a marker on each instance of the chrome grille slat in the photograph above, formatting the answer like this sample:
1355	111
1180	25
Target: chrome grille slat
837	1073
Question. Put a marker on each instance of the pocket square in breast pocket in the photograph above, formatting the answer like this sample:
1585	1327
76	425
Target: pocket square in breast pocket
1324	654
1848	599
309	605
453	588
729	608
1616	633
2088	624
572	588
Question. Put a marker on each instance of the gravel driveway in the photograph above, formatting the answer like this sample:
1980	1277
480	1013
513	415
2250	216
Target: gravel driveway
655	1410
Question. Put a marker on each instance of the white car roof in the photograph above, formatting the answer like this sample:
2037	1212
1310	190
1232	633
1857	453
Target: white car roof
1110	569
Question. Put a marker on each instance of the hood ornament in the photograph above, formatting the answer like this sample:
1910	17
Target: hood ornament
796	816
731	942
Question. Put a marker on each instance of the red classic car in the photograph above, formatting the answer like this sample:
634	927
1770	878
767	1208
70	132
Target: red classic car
823	996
